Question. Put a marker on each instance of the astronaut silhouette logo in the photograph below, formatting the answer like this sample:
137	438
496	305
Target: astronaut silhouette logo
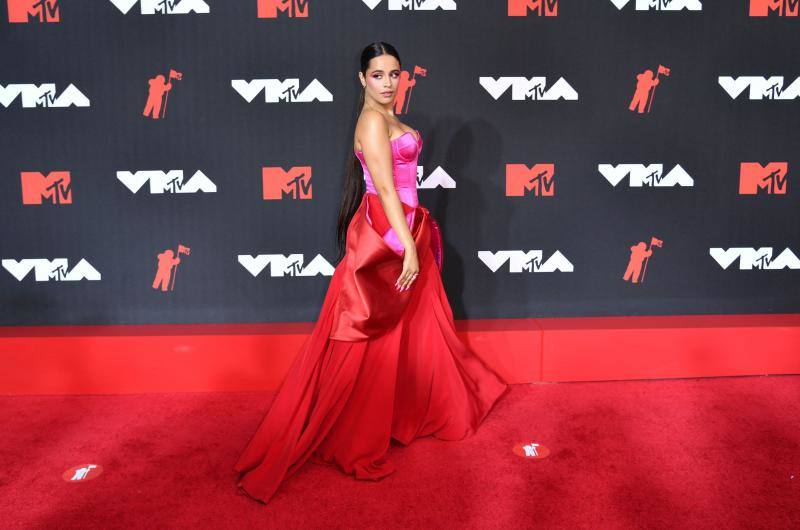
531	450
158	94
25	11
167	268
82	473
541	8
646	84
55	188
405	87
289	8
755	179
637	264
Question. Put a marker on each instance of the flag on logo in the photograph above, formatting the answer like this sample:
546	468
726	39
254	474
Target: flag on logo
184	250
174	74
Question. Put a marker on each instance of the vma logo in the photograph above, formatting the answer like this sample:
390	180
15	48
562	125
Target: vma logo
55	188
542	8
439	178
276	90
24	11
760	87
755	179
281	265
521	261
783	8
277	183
661	5
539	178
648	176
44	95
414	5
750	258
46	270
163	7
169	182
523	88
289	8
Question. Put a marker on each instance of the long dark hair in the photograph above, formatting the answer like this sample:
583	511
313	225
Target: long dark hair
354	186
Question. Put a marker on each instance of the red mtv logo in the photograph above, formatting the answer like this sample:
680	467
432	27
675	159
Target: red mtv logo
295	183
784	8
55	188
34	11
292	8
771	179
546	8
539	178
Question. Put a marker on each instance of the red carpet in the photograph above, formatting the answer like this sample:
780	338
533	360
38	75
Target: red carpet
691	453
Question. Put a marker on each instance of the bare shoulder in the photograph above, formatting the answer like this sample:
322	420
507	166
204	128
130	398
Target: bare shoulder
371	125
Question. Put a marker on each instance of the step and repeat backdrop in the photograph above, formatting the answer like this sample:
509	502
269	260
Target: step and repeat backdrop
182	161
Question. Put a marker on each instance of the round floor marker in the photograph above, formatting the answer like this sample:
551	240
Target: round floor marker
82	473
532	450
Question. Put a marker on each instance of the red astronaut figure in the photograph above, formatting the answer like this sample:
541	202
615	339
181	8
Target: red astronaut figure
155	96
165	263
644	82
638	254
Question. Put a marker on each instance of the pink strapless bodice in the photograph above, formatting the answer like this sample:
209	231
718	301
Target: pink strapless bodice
405	153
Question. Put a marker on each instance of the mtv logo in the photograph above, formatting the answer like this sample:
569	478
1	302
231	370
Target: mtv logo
55	188
24	11
542	8
280	265
523	88
539	178
276	91
56	269
295	183
290	8
770	179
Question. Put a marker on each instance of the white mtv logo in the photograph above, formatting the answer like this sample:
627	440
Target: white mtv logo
438	178
641	175
523	88
276	90
169	182
46	270
280	265
163	7
531	449
415	5
43	95
661	5
760	87
81	473
751	258
530	261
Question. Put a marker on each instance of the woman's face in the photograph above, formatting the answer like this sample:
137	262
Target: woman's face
382	77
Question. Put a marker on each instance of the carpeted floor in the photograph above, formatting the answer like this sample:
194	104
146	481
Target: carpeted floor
690	453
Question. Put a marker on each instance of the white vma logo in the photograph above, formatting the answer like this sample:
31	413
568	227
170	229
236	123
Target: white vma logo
43	95
281	265
760	87
166	182
523	88
276	90
751	258
437	179
661	5
650	175
414	5
163	7
530	261
55	269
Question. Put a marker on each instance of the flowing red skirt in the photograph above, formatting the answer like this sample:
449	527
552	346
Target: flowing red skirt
379	364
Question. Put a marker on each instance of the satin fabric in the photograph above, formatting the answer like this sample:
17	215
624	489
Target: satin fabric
379	365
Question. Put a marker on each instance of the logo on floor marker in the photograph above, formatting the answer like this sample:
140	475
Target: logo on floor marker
531	450
82	473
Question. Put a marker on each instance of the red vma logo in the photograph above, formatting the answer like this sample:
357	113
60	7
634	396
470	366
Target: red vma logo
292	8
277	183
34	11
543	8
168	268
784	8
770	179
637	265
530	450
646	84
405	85
158	93
539	178
55	188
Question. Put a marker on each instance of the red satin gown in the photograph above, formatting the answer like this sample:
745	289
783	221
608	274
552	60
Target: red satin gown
379	363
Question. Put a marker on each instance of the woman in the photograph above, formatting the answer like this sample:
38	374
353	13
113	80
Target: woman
383	360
